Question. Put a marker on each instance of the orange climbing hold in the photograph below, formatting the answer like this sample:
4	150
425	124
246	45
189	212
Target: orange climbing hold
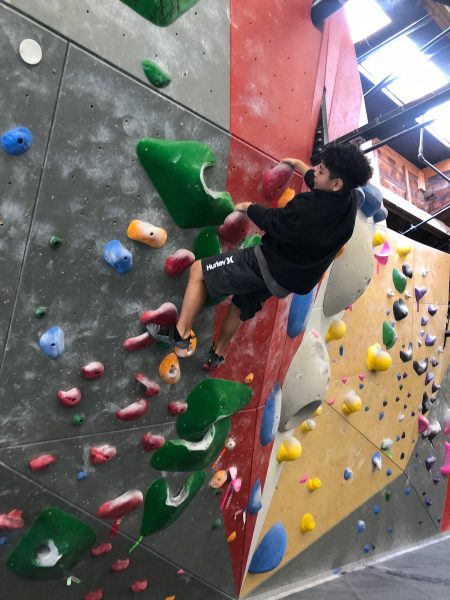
189	351
218	479
169	369
231	537
286	197
248	378
144	232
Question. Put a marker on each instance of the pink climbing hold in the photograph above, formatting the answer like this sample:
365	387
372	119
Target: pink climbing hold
102	454
151	387
69	398
382	255
120	506
275	180
344	380
12	520
133	411
152	442
176	408
235	227
447	422
41	462
93	370
178	262
139	342
166	314
445	469
120	565
423	424
104	548
95	595
361	376
139	586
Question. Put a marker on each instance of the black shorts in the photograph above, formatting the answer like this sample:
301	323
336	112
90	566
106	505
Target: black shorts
236	273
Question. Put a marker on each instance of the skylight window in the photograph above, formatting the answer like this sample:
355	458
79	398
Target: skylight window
364	18
441	127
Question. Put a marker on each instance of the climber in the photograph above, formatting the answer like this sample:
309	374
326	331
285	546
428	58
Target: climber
300	242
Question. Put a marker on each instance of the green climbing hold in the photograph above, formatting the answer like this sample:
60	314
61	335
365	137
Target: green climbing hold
217	523
387	496
251	241
55	241
41	311
208	402
161	12
399	280
176	171
53	545
161	509
78	419
181	455
389	335
155	74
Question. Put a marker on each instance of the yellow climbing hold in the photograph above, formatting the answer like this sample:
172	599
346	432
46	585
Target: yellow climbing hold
248	378
169	598
403	250
352	403
307	523
189	351
285	197
140	231
308	425
231	537
290	449
336	330
169	369
318	411
379	237
378	359
314	484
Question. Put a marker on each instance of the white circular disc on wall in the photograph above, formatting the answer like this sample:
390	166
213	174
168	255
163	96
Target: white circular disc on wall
30	52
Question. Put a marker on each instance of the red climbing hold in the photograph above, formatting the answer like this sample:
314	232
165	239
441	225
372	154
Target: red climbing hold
139	586
122	505
235	227
102	454
177	408
102	549
151	387
133	411
42	461
69	398
177	263
120	565
93	370
139	342
166	314
152	442
275	180
95	595
12	520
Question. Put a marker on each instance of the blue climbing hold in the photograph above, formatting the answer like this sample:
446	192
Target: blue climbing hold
388	472
360	196
348	473
3	540
81	475
16	141
254	501
271	416
270	551
366	548
407	491
299	312
373	200
380	215
52	342
360	526
118	257
376	509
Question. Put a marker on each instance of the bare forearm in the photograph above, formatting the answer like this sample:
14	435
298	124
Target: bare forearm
297	164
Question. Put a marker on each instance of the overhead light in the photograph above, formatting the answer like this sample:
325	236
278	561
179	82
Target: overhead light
364	18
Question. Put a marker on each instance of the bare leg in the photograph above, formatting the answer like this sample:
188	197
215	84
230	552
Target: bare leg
193	301
230	326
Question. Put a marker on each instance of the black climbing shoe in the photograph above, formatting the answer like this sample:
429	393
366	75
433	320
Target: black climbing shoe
213	360
169	334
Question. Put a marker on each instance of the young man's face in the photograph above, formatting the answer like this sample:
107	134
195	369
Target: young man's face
323	181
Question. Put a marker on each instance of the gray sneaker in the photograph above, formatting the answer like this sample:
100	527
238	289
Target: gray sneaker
168	334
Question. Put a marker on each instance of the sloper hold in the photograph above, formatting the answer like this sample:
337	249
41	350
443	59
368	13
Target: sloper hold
52	342
389	335
378	359
118	257
176	170
16	141
399	280
161	508
299	312
276	179
181	455
420	366
235	227
155	74
149	234
373	200
208	402
270	551
254	500
53	545
400	309
271	416
161	12
406	355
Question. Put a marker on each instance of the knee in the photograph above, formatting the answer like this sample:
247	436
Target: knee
196	272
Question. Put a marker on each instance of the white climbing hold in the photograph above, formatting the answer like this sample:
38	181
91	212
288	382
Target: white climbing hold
30	52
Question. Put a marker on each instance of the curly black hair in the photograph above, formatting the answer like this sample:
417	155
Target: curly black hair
347	162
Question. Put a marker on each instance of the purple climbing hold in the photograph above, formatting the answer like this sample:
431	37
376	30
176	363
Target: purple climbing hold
400	309
434	362
420	292
429	462
406	355
117	256
432	309
430	340
435	387
428	377
424	320
427	501
420	366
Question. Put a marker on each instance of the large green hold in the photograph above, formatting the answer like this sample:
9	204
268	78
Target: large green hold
251	241
161	509
181	455
389	335
51	548
210	401
399	280
161	12
157	76
176	171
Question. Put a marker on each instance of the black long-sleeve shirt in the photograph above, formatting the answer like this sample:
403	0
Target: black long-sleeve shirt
302	239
